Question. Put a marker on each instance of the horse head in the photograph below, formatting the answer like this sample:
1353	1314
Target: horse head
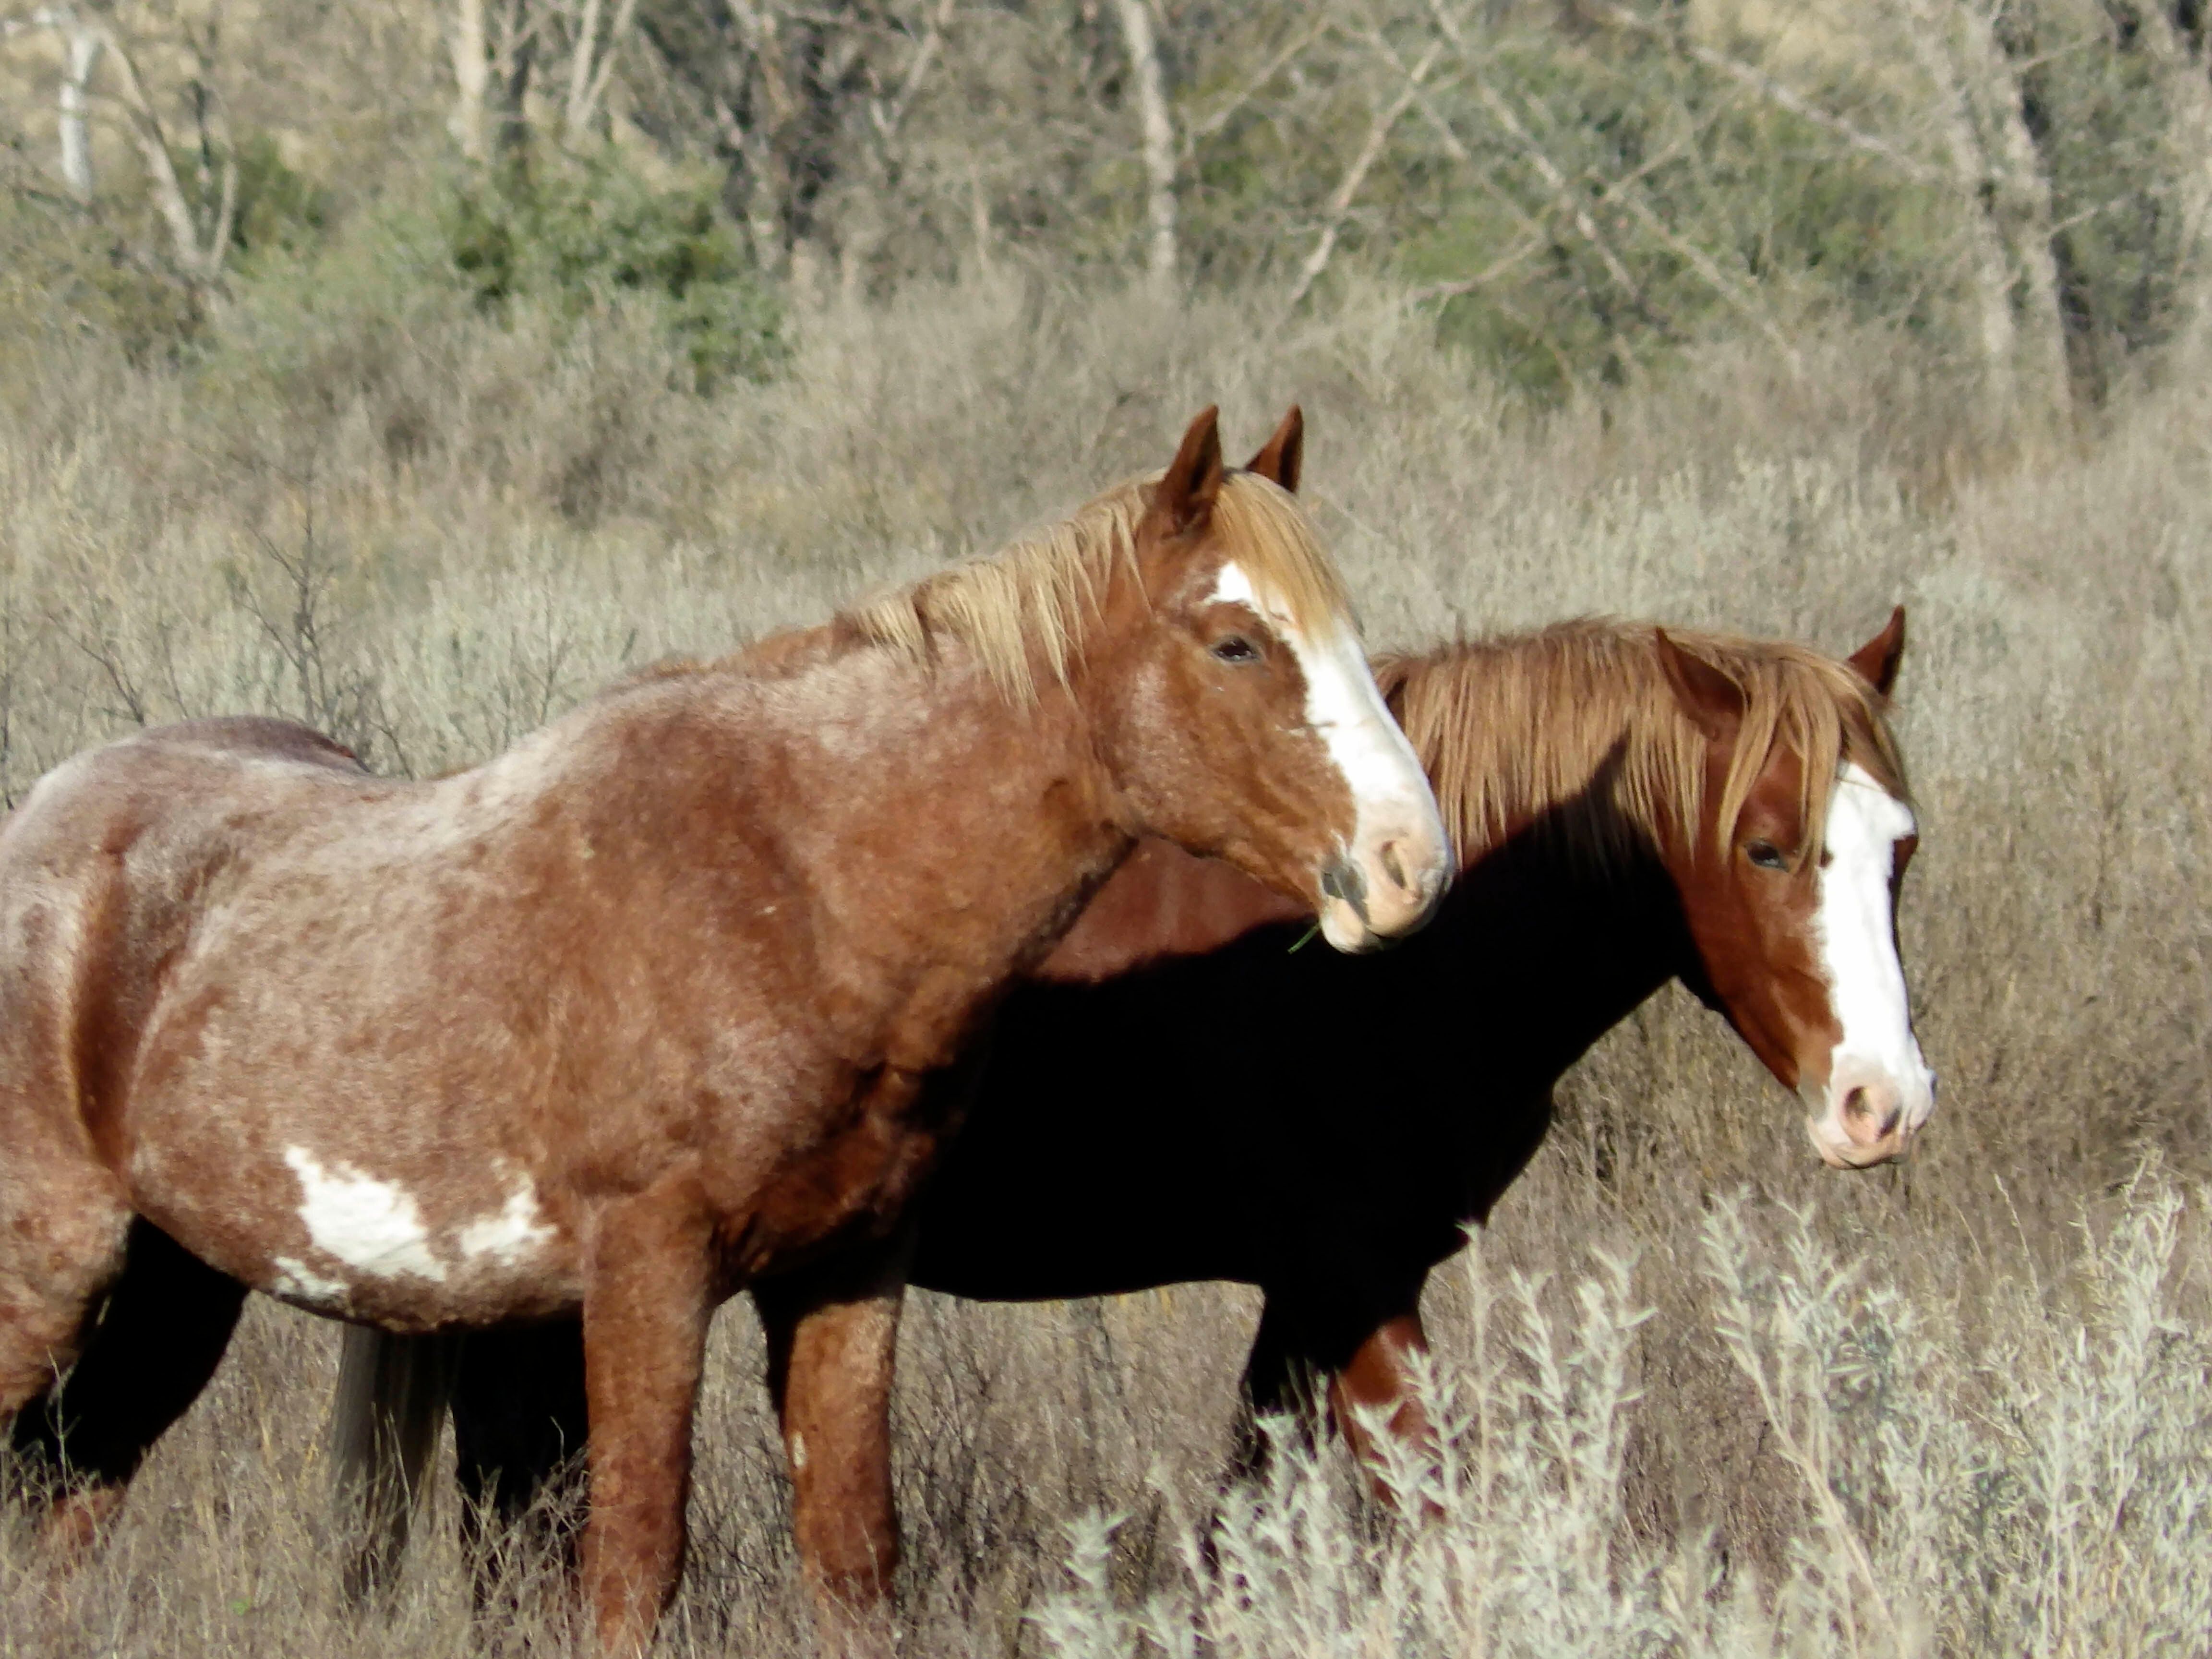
1235	709
1790	888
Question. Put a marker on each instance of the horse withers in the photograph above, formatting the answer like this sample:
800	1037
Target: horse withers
641	1013
1630	807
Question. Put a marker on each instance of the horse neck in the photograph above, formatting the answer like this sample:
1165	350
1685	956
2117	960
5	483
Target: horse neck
932	813
1562	944
1162	903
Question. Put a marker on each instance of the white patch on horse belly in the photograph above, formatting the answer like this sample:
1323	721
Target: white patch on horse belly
515	1232
296	1282
371	1225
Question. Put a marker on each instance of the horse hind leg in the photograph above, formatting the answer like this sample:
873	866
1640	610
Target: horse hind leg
153	1345
385	1418
59	1253
520	1424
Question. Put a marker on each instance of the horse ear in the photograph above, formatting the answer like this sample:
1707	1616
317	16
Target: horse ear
1877	660
1713	701
1184	499
1281	457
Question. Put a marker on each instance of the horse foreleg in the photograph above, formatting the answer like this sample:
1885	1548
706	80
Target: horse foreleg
1278	1383
167	1323
1359	1366
1374	1398
831	1334
646	1303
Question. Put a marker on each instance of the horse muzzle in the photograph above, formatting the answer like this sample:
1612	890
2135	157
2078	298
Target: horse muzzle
1368	902
1866	1115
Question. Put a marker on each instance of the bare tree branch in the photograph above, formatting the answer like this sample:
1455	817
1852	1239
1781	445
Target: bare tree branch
889	120
1518	254
84	47
1736	299
1562	189
579	67
1226	112
592	66
1625	191
153	148
1339	201
1773	91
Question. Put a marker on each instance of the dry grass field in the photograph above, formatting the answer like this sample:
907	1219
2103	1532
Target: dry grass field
1707	1397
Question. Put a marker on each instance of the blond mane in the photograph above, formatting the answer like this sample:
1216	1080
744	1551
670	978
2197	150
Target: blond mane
1581	716
1032	604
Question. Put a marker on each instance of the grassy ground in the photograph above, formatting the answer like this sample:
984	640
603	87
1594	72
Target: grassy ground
1951	1407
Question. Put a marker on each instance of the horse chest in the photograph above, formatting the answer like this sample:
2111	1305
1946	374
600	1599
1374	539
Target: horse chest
848	1184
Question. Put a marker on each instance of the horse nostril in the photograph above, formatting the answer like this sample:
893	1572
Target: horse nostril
1341	880
1871	1115
1392	867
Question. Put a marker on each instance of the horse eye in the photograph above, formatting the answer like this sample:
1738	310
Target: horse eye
1236	648
1767	855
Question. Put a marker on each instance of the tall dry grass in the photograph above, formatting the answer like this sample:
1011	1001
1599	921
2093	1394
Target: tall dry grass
1708	1397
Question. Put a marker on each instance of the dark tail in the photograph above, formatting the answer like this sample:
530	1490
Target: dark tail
390	1402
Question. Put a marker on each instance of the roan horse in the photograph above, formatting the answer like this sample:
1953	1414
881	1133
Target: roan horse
641	1013
1178	1094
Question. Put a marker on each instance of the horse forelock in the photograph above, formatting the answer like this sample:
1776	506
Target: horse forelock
1578	723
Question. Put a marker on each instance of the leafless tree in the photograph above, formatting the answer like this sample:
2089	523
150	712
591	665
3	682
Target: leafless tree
82	43
1157	131
199	247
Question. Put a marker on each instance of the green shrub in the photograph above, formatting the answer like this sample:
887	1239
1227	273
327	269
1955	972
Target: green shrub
581	234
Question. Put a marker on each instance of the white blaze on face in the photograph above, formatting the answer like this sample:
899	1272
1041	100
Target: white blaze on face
371	1226
1389	792
1857	939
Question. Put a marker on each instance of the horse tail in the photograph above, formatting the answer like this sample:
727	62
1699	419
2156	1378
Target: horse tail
391	1398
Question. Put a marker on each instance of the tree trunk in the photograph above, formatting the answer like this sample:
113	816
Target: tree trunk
1995	333
81	45
1159	133
580	60
2188	92
471	76
2024	193
192	257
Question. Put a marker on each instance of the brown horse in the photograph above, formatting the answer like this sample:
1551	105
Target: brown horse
641	1013
1630	807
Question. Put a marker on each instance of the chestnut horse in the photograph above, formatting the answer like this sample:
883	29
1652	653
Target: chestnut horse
1630	807
641	1013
